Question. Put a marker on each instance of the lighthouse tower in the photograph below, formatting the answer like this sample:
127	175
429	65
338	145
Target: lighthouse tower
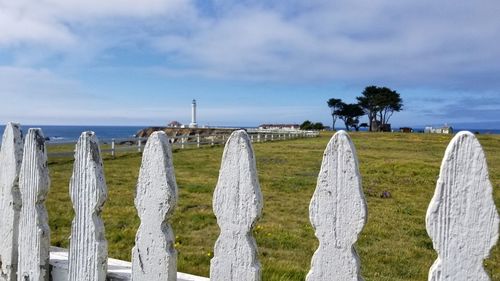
193	123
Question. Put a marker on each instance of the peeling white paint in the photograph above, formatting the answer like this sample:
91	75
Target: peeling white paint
338	213
34	232
11	155
237	205
462	219
154	256
88	247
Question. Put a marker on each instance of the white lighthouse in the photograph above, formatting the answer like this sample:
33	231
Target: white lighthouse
193	115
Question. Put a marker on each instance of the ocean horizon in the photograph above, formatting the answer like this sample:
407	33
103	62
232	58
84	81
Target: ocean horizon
70	133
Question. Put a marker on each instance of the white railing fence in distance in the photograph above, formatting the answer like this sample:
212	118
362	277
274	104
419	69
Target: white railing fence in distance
114	146
462	219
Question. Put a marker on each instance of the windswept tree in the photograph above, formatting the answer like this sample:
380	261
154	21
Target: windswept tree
334	105
350	113
379	103
389	101
368	103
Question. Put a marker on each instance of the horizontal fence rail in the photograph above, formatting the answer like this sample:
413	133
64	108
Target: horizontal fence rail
114	146
462	219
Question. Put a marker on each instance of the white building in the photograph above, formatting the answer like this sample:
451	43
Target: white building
283	127
443	130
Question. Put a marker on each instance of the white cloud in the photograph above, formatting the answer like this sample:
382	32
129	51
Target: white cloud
18	28
40	96
440	44
347	41
58	24
26	83
35	93
76	9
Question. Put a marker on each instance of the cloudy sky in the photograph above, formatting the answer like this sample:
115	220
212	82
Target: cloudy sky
131	62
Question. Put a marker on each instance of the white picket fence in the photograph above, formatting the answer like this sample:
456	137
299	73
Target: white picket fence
462	219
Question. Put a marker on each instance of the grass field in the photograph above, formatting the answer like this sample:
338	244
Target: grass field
393	246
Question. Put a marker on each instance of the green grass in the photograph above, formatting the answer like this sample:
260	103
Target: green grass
393	246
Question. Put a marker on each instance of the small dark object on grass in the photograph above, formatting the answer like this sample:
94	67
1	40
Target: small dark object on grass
385	195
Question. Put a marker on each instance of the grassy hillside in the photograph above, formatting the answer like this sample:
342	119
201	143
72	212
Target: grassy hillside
393	246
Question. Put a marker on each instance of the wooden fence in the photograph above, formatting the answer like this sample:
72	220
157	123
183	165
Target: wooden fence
462	219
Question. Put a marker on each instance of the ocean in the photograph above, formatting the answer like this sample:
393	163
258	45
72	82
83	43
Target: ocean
62	134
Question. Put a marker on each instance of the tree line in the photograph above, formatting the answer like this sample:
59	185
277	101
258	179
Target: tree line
308	125
378	103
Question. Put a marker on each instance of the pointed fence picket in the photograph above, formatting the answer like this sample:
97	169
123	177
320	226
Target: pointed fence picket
154	256
88	250
11	155
237	205
462	219
34	232
338	213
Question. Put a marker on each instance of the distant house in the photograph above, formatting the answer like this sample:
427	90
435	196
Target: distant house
174	124
386	128
279	127
443	130
406	130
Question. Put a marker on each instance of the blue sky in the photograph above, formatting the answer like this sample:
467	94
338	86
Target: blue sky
128	62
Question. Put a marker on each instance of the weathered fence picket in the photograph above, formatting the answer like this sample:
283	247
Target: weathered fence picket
88	247
11	155
337	212
237	205
462	219
34	231
154	256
